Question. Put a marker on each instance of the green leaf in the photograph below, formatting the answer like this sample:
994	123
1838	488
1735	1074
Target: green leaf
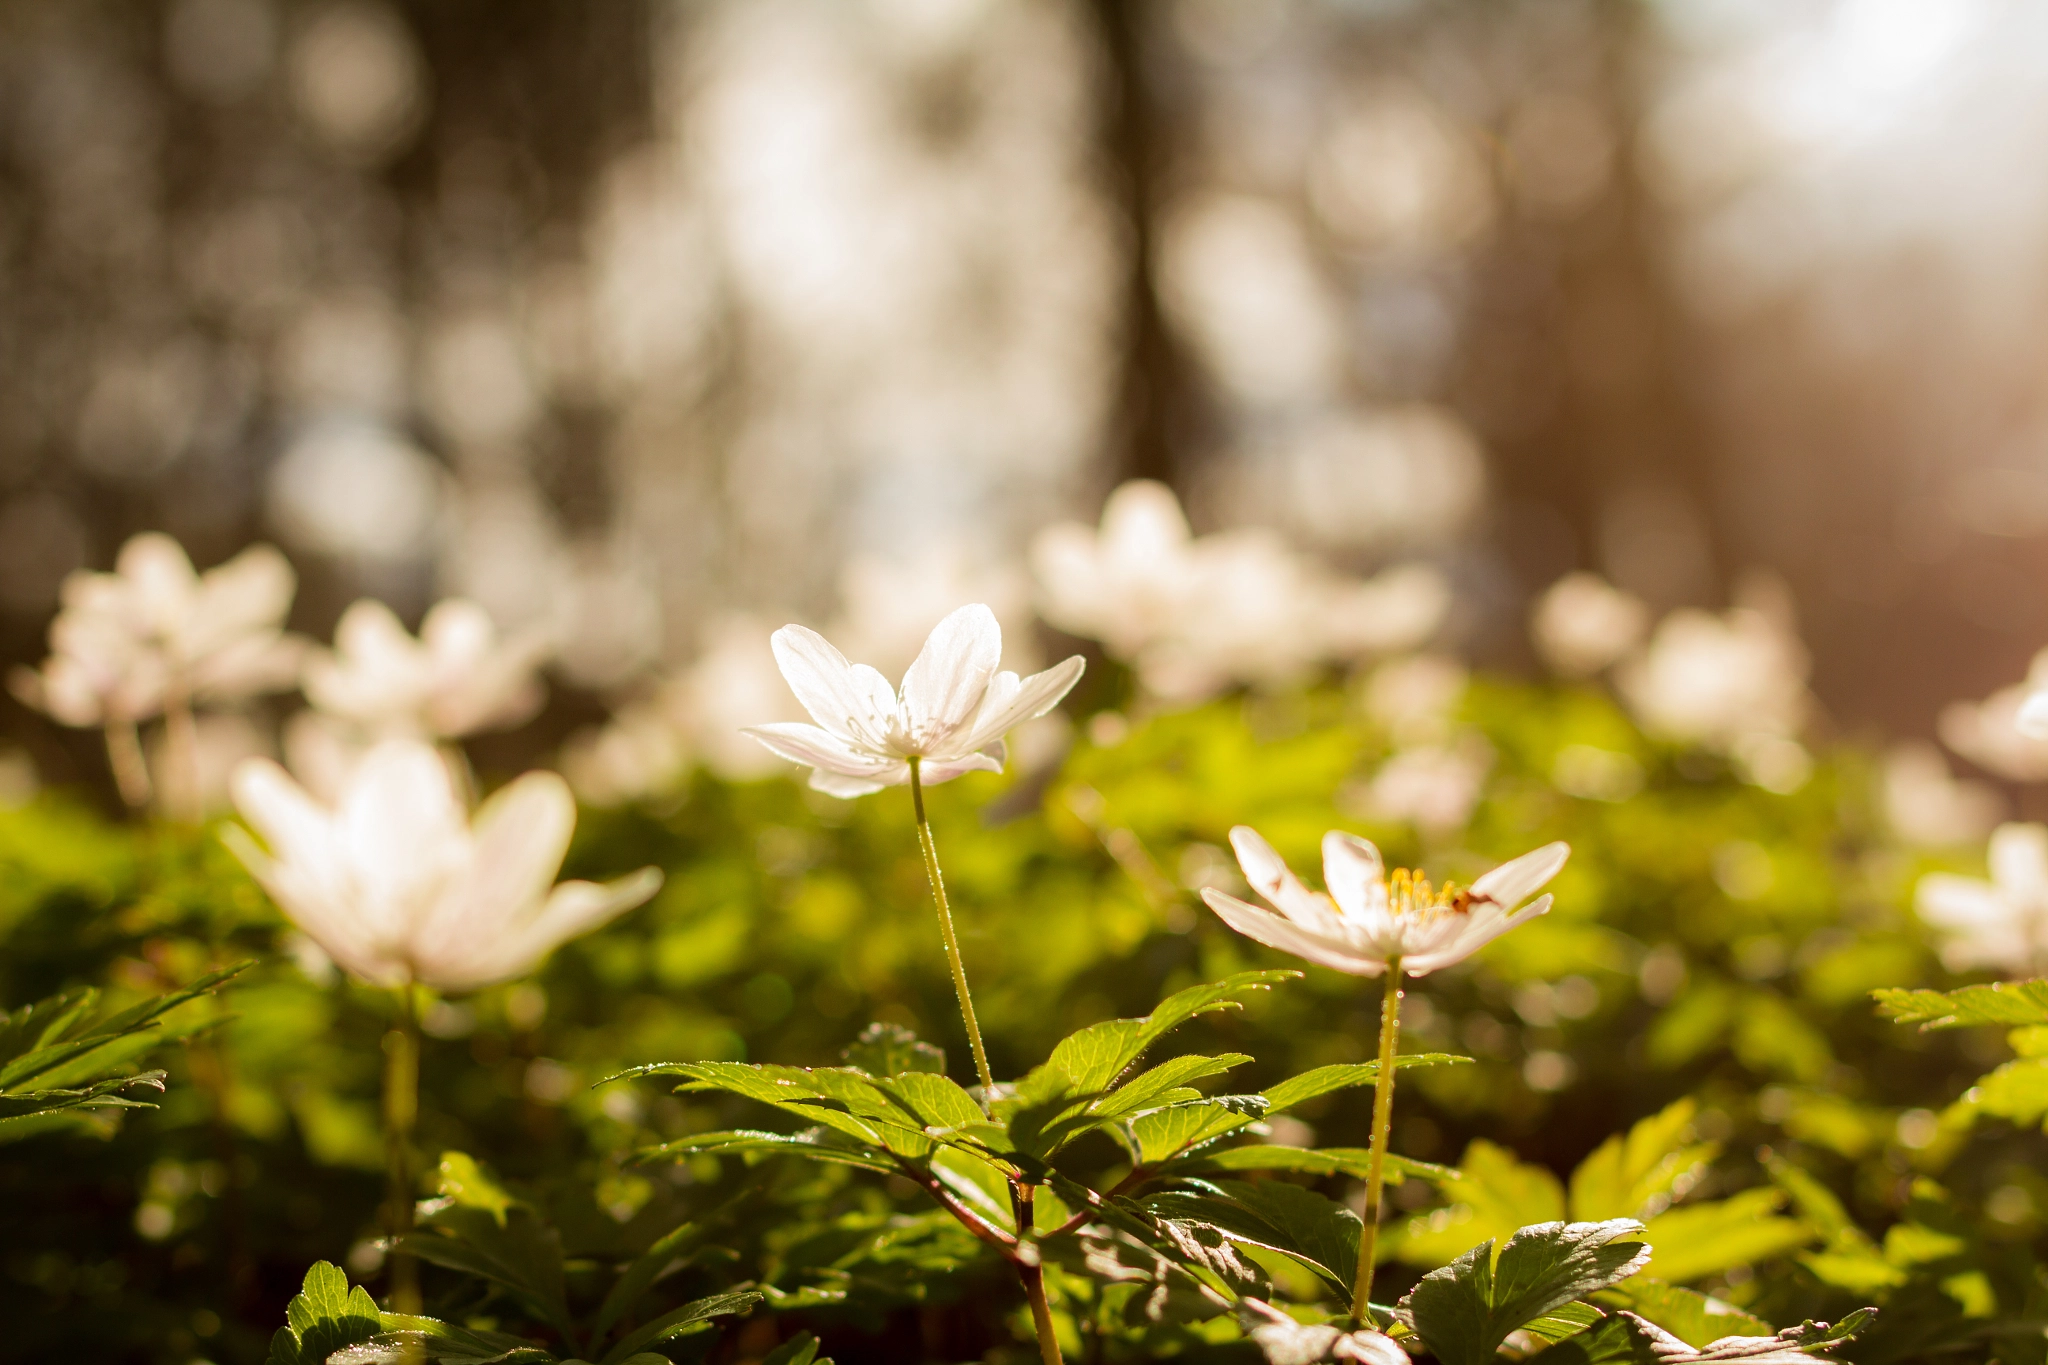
814	1143
1351	1161
1465	1310
1687	1314
1094	1057
520	1254
681	1321
2010	1003
1290	1219
109	1042
1703	1239
1343	1075
1165	1133
1627	1339
936	1101
324	1317
2016	1091
801	1349
461	1179
889	1050
1495	1194
1635	1176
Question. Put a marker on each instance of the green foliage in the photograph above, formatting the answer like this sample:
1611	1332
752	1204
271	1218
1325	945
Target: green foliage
1465	1310
56	1064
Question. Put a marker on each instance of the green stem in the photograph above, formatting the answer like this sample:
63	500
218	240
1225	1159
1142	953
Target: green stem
1382	1122
401	1110
931	872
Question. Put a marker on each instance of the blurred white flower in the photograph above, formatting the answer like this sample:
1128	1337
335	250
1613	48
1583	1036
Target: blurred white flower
638	753
888	605
1734	683
1129	583
155	634
321	751
1194	616
1433	788
219	743
1414	698
1928	806
2001	923
734	682
397	884
1583	623
1991	733
951	714
1368	919
458	677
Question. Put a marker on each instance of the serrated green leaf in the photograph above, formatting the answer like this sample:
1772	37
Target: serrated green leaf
936	1101
1465	1310
1704	1239
1351	1161
889	1050
801	1349
1496	1193
2016	1092
1290	1219
461	1179
1165	1133
1095	1056
816	1144
1687	1314
324	1317
2008	1003
520	1254
1634	1176
1343	1075
680	1321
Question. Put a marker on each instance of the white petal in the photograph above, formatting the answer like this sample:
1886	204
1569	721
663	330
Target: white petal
572	909
1275	932
840	785
1009	702
854	704
931	774
817	748
2019	860
2033	717
1477	935
947	680
1353	872
1514	882
1271	878
1961	903
403	834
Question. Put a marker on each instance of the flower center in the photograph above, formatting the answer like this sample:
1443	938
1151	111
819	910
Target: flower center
1410	897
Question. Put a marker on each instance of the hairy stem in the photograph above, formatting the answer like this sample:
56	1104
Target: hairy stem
1382	1121
131	770
401	1109
931	872
1032	1273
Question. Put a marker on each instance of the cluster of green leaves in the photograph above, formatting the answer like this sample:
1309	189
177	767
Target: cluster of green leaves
1712	943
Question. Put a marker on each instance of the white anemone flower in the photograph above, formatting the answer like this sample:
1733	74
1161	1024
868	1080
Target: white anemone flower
1582	623
951	714
460	676
397	884
1369	919
2001	923
2000	732
155	634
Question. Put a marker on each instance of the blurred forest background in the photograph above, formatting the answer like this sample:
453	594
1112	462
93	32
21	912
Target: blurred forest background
625	318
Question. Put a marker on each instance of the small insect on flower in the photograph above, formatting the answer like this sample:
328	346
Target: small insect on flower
1369	918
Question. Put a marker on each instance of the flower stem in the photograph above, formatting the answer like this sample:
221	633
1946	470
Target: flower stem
401	1109
931	872
1032	1273
1382	1121
180	784
131	770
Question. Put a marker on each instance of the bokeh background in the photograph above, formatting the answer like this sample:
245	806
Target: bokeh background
625	318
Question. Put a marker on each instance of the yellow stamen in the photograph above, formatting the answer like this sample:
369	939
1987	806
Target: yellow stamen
1410	894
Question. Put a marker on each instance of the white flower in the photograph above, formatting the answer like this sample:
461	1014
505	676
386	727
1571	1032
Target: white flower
155	634
1583	623
458	677
397	884
951	714
2001	923
1992	733
1928	806
1368	919
1433	787
636	754
1734	683
1194	617
887	605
